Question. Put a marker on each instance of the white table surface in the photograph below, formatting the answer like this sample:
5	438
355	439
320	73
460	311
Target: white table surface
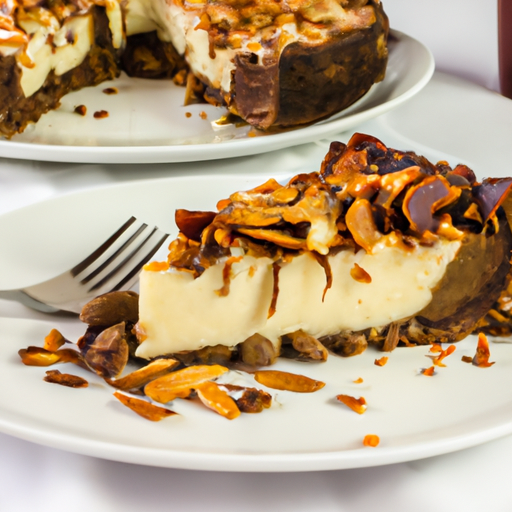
38	478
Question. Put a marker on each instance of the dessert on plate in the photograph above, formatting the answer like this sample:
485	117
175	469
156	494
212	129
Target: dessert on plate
272	63
379	247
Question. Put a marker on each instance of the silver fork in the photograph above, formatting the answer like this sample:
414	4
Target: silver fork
114	265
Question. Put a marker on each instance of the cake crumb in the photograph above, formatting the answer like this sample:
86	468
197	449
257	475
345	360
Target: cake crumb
188	114
110	90
203	115
80	110
371	440
100	114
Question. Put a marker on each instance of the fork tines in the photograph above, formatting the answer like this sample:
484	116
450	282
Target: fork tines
117	262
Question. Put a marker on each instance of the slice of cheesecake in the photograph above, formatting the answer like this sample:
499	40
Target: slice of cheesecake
274	63
380	247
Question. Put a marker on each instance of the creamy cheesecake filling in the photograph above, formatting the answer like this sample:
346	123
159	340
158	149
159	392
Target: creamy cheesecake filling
181	23
60	56
51	45
180	313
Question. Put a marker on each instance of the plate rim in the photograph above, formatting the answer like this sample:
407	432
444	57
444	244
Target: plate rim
227	149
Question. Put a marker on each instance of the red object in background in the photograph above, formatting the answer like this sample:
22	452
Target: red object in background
505	46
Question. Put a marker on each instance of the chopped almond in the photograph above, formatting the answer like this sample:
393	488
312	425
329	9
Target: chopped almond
356	404
429	372
54	340
371	440
252	400
437	360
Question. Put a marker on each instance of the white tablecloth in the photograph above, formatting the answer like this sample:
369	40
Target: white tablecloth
462	36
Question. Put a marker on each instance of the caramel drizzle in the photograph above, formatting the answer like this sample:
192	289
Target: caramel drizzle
275	291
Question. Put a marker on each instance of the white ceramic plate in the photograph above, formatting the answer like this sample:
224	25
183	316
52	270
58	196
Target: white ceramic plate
147	121
415	416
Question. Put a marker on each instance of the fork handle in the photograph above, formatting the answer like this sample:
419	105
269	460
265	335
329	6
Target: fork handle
27	300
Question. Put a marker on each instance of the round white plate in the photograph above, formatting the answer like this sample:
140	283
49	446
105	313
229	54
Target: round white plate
415	416
148	123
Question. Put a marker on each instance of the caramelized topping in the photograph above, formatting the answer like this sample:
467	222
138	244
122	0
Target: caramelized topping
365	195
491	194
359	274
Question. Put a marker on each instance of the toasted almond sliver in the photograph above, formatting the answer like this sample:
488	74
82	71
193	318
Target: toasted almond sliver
37	356
218	400
287	381
143	408
438	360
356	404
179	384
483	352
429	372
142	376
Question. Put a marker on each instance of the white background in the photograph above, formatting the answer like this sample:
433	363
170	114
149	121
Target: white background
462	34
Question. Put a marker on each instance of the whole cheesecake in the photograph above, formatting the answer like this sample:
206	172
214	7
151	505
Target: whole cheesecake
273	63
